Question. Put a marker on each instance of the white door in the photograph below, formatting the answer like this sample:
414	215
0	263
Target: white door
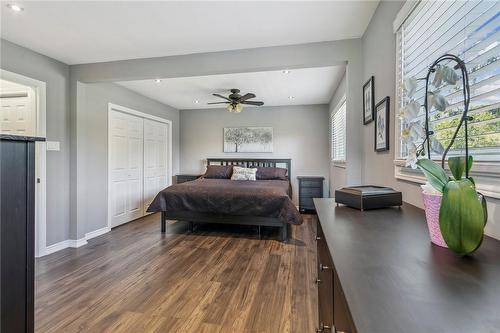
155	159
126	167
17	113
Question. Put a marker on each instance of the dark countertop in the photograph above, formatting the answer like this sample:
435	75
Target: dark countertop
12	137
396	281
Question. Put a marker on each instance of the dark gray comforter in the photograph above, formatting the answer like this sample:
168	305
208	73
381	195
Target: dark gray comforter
267	198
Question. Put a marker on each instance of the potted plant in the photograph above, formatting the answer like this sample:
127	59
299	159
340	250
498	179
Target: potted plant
456	213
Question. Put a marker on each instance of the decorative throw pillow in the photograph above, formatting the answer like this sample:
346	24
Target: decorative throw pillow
218	171
264	173
240	173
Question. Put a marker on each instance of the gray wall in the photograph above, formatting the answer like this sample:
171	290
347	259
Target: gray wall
300	133
346	52
22	61
90	159
379	59
93	150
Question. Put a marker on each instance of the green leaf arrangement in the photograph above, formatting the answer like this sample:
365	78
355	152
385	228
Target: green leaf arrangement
463	213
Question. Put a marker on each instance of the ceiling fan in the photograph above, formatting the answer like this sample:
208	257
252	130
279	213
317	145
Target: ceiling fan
235	101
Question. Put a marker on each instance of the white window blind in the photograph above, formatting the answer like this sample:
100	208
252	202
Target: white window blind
470	30
338	133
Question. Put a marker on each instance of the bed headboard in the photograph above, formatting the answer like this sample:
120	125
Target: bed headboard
254	162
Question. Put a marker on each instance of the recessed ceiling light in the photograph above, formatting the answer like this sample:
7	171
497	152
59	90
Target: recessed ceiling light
287	71
158	80
196	102
291	97
15	7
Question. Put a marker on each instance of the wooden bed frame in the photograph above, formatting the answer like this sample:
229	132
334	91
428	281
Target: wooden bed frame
259	221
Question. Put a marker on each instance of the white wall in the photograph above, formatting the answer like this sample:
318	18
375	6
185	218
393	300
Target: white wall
379	60
300	133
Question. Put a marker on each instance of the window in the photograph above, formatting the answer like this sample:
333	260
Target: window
469	29
338	131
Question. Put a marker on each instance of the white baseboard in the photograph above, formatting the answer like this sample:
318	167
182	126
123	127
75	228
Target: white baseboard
96	233
75	243
56	247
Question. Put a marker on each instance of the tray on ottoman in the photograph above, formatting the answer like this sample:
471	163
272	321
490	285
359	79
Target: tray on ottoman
368	197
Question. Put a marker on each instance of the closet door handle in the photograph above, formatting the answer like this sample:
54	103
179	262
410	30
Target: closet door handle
323	267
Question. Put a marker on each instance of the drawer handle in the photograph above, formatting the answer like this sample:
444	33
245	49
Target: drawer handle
318	281
323	267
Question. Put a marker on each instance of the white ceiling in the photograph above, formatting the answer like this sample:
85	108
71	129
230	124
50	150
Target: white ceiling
307	86
83	32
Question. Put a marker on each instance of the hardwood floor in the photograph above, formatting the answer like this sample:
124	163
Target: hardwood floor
135	279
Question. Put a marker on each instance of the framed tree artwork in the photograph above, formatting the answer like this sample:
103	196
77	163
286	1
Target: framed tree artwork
382	125
368	100
248	139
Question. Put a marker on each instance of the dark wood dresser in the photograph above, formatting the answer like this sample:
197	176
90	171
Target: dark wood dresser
17	230
309	187
185	178
379	273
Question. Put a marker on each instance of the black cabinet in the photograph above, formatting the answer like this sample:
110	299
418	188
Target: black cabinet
309	187
185	178
325	284
17	230
333	312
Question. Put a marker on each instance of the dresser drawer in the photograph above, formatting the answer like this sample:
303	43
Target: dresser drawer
312	192
311	183
306	202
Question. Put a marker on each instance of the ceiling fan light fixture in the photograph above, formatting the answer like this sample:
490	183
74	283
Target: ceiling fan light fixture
236	108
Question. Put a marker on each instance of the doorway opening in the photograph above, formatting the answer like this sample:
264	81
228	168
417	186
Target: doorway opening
22	112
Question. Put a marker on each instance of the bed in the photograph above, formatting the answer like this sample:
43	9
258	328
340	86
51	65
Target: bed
258	203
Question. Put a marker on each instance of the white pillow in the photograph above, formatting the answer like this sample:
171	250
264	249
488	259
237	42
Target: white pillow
240	173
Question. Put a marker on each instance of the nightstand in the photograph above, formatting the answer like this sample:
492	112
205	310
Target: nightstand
186	178
309	187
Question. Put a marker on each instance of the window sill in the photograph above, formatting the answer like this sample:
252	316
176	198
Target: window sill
339	164
486	176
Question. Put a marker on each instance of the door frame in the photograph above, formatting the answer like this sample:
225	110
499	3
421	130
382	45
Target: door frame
40	89
119	108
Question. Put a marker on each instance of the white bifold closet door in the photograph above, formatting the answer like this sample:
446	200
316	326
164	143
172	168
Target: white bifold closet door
126	167
155	159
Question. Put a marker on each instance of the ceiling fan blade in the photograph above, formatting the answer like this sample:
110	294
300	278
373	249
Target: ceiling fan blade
219	103
246	96
219	95
253	103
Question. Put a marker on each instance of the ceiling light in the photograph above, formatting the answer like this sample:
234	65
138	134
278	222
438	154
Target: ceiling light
291	97
15	7
236	108
287	71
196	102
158	80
